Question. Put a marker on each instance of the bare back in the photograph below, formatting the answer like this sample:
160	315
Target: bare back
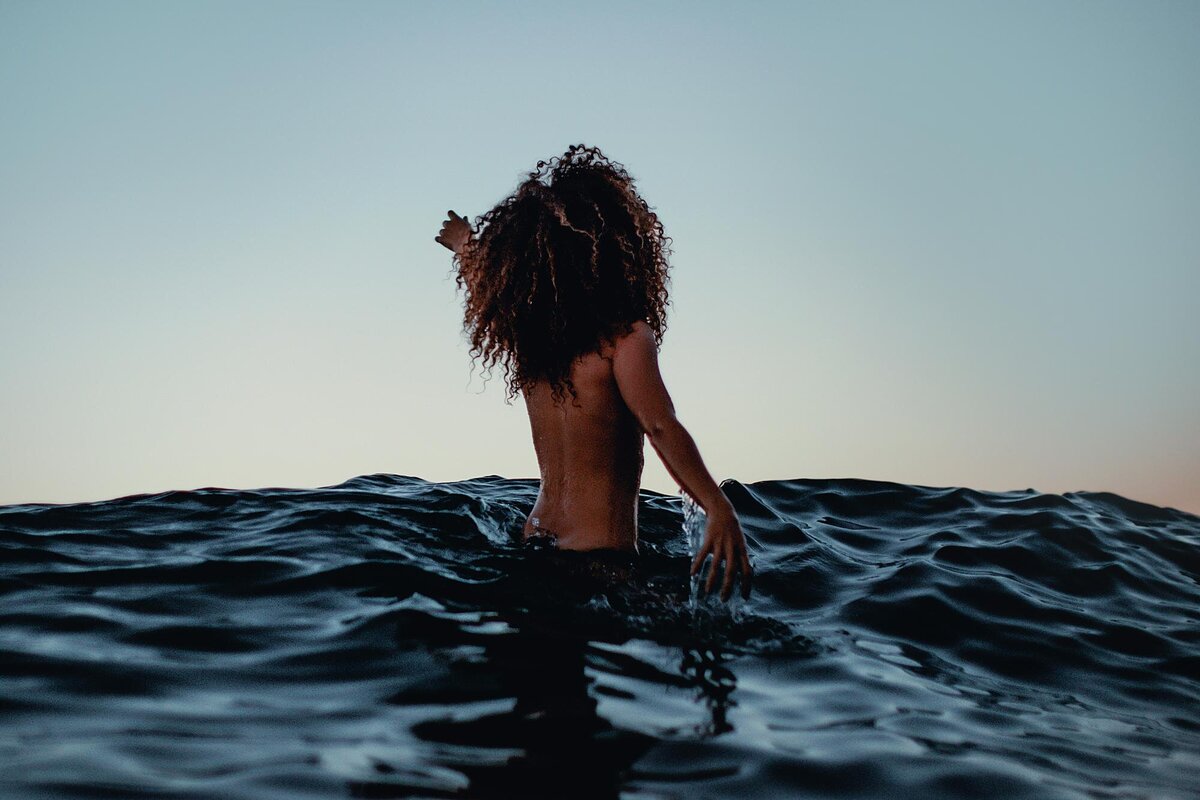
589	453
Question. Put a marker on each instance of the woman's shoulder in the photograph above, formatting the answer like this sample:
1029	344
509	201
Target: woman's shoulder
639	330
637	335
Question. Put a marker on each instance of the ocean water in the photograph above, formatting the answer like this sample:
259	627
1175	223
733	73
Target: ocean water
387	638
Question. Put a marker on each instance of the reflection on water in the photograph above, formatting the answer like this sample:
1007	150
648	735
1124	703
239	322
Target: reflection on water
715	682
545	738
549	741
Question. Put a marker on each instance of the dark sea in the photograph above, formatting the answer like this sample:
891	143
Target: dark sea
388	638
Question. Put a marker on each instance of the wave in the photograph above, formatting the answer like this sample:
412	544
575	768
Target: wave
388	637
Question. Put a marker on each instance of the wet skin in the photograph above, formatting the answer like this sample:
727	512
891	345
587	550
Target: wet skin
589	451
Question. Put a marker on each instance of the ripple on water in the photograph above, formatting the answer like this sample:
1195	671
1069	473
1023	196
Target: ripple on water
388	638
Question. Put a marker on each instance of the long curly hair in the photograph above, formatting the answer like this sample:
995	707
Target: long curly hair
571	259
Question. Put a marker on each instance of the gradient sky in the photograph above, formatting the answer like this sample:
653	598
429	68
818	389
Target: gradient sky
951	244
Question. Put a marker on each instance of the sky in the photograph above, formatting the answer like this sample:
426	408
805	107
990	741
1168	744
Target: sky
939	243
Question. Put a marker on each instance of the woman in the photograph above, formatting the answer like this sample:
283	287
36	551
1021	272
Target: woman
565	283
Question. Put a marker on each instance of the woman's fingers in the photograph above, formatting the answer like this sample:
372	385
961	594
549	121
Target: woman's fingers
718	558
727	584
705	548
729	561
737	567
455	232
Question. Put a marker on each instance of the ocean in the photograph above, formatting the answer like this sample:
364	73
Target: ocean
388	638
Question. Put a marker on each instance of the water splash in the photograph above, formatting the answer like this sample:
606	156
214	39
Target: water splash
693	530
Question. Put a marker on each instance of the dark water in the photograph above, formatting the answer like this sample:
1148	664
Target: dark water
385	638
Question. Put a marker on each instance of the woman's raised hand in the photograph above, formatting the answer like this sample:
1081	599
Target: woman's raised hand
455	232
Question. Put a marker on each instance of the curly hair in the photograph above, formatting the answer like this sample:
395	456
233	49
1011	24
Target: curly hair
570	260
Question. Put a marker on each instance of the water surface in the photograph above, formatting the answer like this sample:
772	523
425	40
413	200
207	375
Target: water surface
388	638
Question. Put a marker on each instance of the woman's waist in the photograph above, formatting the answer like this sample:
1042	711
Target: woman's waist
613	532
